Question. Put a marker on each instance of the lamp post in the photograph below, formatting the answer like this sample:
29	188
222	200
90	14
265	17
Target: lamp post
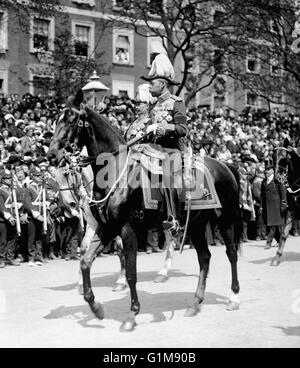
92	90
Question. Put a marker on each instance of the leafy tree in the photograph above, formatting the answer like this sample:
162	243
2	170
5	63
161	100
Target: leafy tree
69	71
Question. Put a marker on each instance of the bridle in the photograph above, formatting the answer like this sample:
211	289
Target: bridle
283	178
79	125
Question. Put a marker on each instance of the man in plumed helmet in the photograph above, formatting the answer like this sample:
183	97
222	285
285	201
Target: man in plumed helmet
168	121
274	205
142	101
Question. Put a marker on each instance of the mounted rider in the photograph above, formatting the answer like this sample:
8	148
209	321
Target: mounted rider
142	101
168	123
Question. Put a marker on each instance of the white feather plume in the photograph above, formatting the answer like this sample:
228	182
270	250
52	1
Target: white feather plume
162	67
143	93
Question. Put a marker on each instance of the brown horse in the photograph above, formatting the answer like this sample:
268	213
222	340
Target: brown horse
87	128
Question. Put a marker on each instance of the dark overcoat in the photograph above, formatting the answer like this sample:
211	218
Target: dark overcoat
273	197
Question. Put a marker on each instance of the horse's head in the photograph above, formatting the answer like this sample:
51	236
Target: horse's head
69	184
288	172
67	130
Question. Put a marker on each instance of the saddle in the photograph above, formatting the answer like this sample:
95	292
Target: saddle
164	168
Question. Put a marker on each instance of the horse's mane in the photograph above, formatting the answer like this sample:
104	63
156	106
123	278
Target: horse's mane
110	130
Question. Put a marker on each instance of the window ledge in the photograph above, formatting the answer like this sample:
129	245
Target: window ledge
123	64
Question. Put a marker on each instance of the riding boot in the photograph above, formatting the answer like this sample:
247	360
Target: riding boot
172	224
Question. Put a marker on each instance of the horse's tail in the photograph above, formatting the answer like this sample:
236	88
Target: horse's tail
238	224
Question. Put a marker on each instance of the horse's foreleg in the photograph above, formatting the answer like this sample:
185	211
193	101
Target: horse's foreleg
86	241
282	241
162	275
121	282
86	264
130	253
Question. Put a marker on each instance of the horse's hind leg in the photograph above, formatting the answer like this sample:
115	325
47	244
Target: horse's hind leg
228	234
130	244
86	264
162	275
200	243
121	282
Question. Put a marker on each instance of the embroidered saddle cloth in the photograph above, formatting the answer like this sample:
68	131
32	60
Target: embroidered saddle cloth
163	168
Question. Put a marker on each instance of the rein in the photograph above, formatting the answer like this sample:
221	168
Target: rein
285	170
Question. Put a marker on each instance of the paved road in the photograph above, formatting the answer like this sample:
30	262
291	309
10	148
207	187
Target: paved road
40	307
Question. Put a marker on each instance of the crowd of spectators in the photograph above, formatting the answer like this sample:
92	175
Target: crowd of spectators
27	124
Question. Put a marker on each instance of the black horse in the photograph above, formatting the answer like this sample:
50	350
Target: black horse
288	172
87	128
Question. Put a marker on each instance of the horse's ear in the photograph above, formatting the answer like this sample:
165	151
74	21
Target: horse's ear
78	98
286	143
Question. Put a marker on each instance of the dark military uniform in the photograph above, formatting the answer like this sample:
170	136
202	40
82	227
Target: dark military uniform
8	231
33	200
169	113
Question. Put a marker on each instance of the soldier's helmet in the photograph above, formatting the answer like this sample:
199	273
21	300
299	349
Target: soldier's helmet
162	68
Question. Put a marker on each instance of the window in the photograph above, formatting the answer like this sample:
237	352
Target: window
3	80
122	4
219	61
155	47
39	84
275	67
219	101
252	99
155	7
123	88
84	38
42	34
3	32
218	17
123	47
252	64
277	98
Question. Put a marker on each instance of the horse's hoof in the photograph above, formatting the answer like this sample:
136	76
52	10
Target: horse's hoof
98	311
119	287
275	262
233	306
80	289
128	325
160	279
192	311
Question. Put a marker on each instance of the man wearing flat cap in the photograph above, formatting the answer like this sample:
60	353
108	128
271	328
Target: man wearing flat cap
168	122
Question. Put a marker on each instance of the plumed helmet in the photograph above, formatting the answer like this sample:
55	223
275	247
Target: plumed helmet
143	94
162	68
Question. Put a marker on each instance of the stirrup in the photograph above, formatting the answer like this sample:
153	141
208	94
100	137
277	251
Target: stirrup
171	225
